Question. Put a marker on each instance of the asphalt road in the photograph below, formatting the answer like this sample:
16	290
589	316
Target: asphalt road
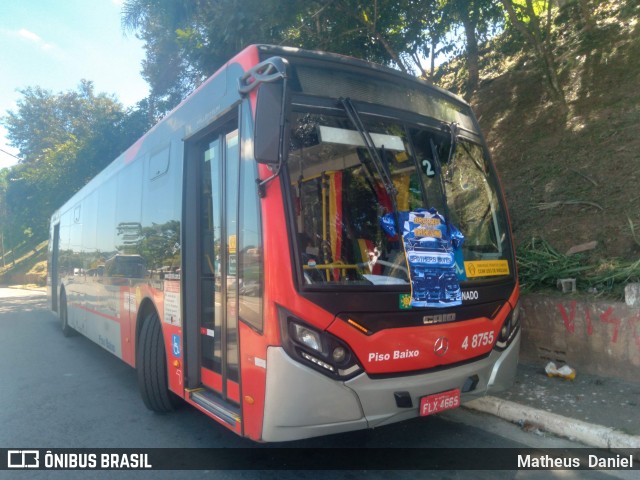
58	392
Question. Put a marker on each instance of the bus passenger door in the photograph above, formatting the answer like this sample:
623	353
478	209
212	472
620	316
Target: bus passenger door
218	319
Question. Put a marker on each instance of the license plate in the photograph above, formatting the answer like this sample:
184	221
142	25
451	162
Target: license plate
439	402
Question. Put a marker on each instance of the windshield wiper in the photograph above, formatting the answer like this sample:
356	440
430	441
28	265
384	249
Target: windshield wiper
376	159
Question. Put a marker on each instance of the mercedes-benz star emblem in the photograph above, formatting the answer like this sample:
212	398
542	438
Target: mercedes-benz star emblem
441	346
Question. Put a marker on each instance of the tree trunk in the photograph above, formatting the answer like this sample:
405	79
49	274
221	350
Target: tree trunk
392	53
473	67
433	58
416	59
543	51
589	24
370	25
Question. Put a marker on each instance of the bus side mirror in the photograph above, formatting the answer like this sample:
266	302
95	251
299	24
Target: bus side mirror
269	123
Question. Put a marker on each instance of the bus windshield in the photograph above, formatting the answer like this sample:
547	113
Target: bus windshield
355	207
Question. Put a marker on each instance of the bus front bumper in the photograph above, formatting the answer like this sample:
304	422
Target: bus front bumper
302	403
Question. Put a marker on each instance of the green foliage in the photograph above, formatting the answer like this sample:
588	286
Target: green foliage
187	41
64	139
540	266
384	31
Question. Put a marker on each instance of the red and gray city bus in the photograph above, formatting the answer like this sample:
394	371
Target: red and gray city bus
308	244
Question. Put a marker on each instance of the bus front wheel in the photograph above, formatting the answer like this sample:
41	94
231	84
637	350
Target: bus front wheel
151	363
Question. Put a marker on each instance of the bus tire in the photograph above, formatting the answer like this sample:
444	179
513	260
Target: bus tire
151	363
67	330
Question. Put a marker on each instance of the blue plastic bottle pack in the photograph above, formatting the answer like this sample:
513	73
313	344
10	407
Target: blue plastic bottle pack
434	256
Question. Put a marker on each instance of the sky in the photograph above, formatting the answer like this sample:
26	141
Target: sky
56	43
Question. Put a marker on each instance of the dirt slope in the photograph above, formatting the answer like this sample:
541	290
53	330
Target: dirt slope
572	174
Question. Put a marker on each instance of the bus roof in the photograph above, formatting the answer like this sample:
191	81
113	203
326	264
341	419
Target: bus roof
348	62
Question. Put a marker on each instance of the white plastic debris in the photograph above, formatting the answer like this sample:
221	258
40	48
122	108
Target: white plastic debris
565	371
632	294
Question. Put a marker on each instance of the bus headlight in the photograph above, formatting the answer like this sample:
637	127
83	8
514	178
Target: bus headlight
307	337
318	350
339	354
509	328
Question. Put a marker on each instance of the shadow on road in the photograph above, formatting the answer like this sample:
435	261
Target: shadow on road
23	304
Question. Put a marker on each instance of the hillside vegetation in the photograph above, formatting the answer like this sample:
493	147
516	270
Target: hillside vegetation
571	173
24	265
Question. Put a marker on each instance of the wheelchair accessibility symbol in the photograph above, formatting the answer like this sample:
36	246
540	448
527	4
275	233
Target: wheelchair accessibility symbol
175	345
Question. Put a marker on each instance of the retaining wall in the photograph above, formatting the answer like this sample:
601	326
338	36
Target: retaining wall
595	337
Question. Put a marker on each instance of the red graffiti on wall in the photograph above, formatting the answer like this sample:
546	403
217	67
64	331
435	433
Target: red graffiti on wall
570	319
608	318
589	324
633	323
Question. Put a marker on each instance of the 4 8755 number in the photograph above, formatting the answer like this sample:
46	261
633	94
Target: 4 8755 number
478	340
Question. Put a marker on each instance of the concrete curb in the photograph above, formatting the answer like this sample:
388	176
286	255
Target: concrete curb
592	435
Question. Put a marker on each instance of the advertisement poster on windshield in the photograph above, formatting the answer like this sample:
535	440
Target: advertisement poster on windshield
430	245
